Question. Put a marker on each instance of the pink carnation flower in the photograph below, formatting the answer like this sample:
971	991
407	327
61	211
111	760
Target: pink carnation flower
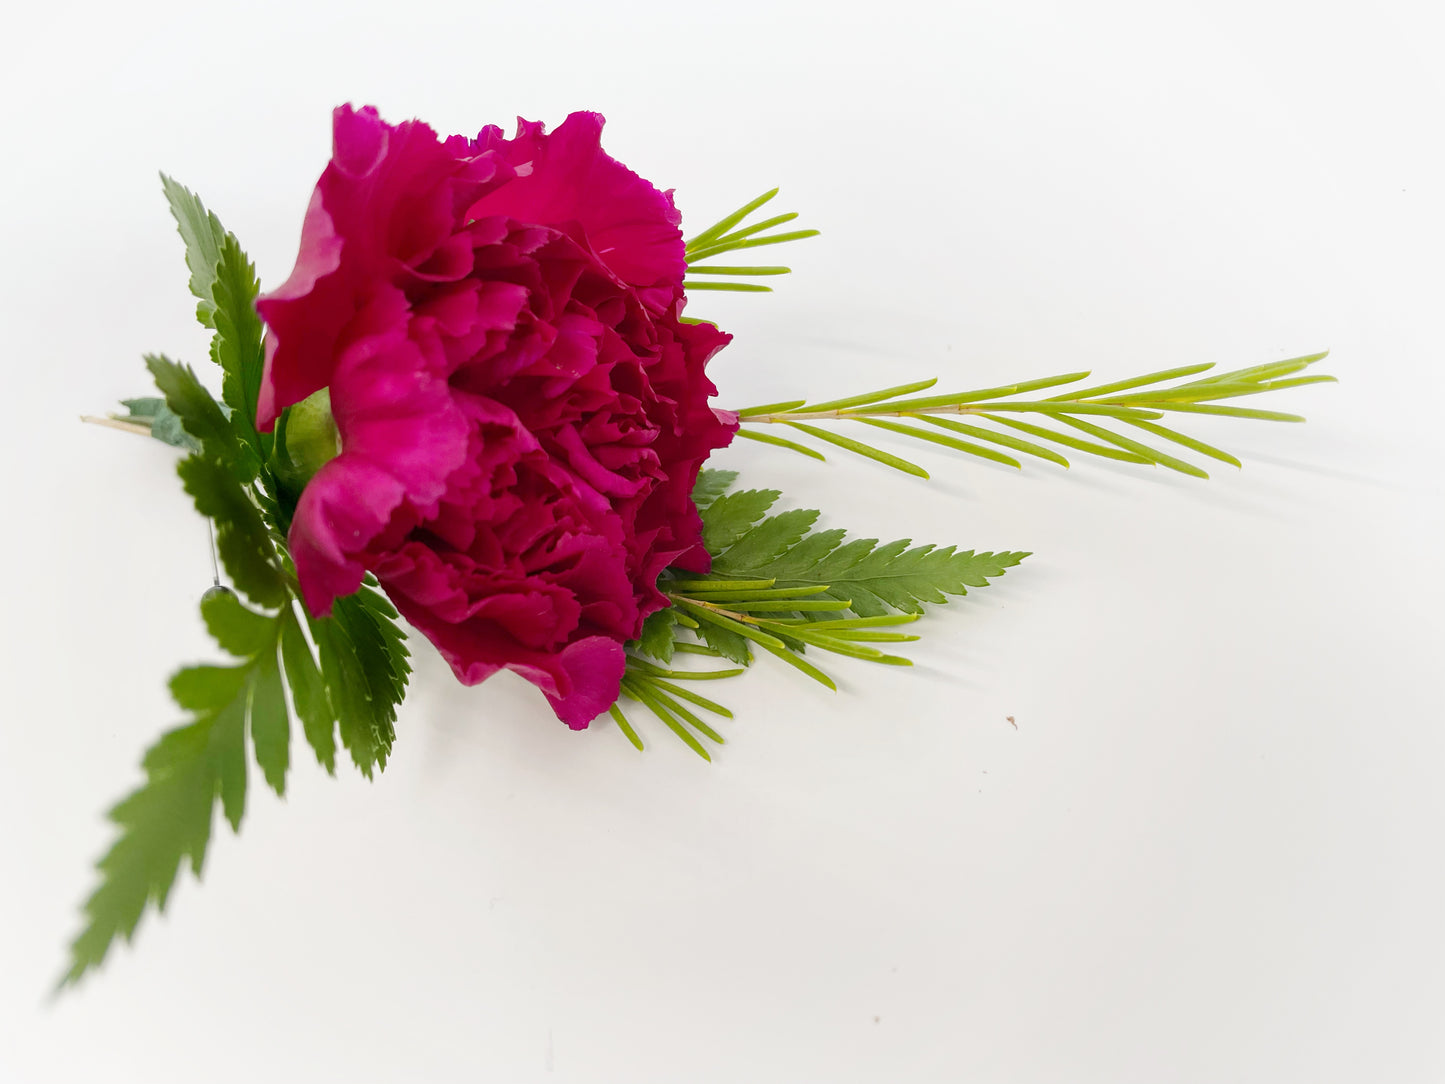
522	411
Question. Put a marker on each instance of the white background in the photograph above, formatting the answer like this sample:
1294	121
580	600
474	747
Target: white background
1210	851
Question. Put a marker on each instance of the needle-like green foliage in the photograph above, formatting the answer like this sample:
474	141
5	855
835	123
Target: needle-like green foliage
731	234
1112	421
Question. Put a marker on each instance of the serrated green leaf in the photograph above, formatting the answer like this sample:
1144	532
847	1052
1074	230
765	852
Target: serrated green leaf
726	643
167	428
162	422
658	635
318	720
224	281
364	667
270	725
733	515
236	629
197	410
230	749
237	343
207	688
350	694
215	477
168	819
242	537
164	822
203	235
872	578
711	484
144	407
773	536
198	765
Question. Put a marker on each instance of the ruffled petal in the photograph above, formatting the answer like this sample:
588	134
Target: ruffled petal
567	177
341	510
580	682
392	198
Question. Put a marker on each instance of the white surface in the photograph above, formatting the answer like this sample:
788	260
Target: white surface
1211	849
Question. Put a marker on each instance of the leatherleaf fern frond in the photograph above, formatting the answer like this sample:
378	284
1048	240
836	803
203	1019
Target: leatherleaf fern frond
353	687
1118	420
223	280
780	586
346	672
168	819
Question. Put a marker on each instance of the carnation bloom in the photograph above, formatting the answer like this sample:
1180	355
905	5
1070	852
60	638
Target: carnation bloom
522	412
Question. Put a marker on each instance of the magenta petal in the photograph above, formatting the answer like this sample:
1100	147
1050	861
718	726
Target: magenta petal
393	404
580	682
568	177
305	313
594	671
390	198
341	510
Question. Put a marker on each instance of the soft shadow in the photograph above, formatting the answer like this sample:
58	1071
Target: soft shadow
1324	472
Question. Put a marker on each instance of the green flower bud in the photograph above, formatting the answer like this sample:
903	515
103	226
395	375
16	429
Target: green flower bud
312	439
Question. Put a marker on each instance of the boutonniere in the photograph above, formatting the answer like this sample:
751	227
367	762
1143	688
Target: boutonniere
480	404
